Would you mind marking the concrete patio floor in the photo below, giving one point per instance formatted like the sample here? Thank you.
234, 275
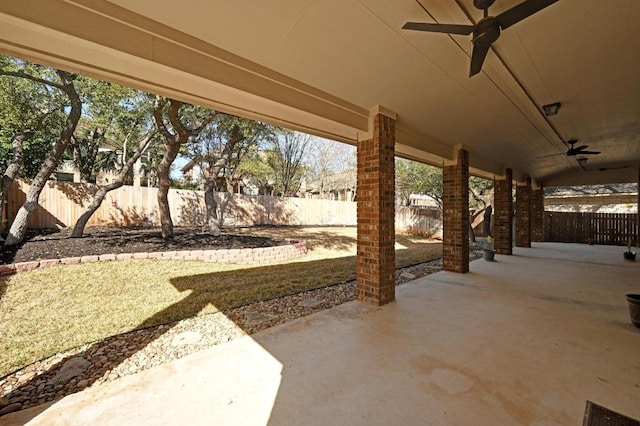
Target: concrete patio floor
524, 340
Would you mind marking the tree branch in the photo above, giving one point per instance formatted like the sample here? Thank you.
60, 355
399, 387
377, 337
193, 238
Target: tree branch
157, 116
174, 110
27, 76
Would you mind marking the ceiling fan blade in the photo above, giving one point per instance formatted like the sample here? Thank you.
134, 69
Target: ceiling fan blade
581, 147
477, 57
550, 155
589, 152
522, 11
439, 28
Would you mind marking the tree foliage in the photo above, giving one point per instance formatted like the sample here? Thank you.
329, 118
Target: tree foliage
29, 105
418, 178
221, 149
55, 80
325, 158
285, 158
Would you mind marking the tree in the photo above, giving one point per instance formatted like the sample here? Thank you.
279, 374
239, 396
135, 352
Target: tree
257, 171
325, 158
286, 160
56, 81
418, 178
29, 113
220, 150
13, 168
115, 183
177, 122
110, 112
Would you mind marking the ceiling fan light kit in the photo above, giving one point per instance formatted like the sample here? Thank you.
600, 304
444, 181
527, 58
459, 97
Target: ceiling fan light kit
551, 109
487, 30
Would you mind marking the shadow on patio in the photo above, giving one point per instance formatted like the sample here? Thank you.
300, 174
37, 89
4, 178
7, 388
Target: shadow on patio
525, 340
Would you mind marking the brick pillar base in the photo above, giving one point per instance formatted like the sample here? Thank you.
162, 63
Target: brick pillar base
503, 214
537, 214
523, 214
375, 260
455, 217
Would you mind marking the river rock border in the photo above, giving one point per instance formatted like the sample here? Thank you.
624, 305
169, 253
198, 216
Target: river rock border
248, 256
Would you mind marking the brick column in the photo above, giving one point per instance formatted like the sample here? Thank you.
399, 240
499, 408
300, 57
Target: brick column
503, 214
537, 214
523, 214
455, 217
375, 260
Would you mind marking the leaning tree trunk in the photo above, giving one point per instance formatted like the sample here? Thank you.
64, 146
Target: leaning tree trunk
78, 229
14, 166
486, 224
213, 222
19, 225
472, 234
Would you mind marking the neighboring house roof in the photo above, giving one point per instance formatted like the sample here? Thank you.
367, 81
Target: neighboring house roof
334, 182
190, 165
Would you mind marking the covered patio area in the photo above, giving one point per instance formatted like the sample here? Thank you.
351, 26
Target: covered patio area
528, 339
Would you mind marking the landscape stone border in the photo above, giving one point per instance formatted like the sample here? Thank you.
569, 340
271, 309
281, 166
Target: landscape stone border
248, 256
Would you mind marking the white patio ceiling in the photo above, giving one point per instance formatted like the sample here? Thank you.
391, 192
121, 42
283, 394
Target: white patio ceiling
322, 65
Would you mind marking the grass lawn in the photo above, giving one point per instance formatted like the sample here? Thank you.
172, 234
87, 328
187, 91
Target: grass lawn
51, 310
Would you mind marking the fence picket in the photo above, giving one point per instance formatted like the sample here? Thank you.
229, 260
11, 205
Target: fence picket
602, 228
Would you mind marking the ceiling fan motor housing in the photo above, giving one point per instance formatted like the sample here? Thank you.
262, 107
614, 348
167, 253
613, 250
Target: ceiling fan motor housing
483, 4
487, 31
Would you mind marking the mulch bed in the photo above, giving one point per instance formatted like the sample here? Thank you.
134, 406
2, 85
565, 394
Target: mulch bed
56, 244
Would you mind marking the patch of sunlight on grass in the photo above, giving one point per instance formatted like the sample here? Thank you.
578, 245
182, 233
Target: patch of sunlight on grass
43, 312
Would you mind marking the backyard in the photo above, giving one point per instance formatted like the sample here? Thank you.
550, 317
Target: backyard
90, 311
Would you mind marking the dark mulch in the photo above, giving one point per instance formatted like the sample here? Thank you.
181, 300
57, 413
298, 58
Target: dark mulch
54, 244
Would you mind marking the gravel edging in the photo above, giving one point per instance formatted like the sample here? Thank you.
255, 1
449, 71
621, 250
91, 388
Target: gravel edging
122, 355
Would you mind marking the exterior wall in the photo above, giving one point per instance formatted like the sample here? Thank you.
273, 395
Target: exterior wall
375, 264
537, 214
523, 214
503, 214
455, 200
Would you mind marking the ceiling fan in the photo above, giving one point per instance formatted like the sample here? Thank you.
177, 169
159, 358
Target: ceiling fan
573, 151
487, 30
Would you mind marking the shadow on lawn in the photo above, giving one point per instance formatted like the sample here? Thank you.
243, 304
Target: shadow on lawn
220, 289
314, 239
82, 369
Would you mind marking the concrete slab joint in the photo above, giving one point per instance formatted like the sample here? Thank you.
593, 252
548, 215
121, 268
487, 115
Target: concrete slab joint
375, 264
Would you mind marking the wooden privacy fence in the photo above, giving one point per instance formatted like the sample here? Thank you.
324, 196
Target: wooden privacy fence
602, 228
420, 221
61, 203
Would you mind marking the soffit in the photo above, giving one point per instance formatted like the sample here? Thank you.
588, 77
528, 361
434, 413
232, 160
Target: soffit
578, 52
